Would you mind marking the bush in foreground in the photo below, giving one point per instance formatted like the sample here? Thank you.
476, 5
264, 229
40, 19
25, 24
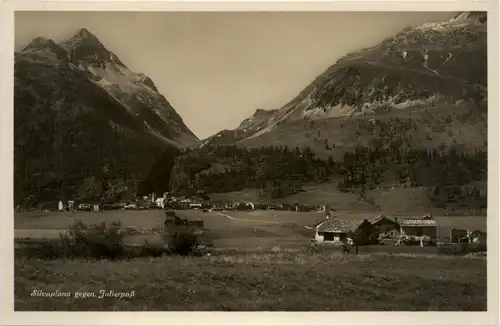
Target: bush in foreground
462, 249
94, 241
106, 241
182, 241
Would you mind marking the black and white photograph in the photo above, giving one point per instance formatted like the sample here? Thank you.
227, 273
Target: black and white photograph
294, 161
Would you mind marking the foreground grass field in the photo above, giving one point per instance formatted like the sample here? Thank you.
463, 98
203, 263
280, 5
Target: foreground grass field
279, 279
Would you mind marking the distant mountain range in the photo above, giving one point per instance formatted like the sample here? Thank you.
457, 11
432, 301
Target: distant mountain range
424, 88
434, 65
85, 125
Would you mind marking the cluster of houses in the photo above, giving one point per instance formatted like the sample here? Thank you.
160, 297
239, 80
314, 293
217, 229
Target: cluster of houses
422, 230
145, 202
183, 203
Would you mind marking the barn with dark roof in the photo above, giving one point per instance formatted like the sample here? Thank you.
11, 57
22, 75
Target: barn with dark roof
335, 229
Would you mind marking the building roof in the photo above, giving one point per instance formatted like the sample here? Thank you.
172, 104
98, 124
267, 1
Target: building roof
336, 224
381, 218
418, 221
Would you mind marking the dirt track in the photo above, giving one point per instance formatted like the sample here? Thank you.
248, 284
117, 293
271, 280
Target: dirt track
246, 220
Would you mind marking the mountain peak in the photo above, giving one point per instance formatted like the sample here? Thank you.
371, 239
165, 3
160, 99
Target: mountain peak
45, 44
85, 36
85, 46
38, 43
84, 33
471, 15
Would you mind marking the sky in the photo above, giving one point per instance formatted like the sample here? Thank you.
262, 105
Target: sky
217, 68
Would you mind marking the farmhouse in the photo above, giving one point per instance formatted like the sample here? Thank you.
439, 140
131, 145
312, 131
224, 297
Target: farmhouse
302, 208
173, 222
261, 206
131, 206
335, 229
478, 236
465, 236
244, 206
195, 205
321, 208
419, 226
457, 235
366, 234
230, 206
386, 227
88, 206
84, 207
160, 202
108, 207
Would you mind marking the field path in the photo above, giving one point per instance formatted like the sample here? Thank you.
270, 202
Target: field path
245, 220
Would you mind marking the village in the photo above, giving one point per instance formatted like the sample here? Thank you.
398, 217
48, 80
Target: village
332, 229
180, 203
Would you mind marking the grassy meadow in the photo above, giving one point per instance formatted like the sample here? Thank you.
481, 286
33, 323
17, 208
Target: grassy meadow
261, 261
260, 280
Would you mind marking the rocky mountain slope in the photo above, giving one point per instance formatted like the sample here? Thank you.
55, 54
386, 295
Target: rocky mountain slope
422, 89
441, 67
85, 125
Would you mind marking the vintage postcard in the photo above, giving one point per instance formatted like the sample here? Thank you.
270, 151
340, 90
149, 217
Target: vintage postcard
294, 163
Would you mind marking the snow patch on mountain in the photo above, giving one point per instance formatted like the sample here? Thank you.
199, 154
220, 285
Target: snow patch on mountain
461, 20
117, 75
273, 123
338, 110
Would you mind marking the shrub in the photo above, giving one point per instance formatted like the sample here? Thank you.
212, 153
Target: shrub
276, 249
182, 241
462, 249
40, 249
149, 250
94, 241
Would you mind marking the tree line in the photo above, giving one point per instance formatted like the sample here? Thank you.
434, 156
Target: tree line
278, 171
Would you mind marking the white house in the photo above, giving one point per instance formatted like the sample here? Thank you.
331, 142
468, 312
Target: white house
230, 206
60, 206
130, 206
160, 202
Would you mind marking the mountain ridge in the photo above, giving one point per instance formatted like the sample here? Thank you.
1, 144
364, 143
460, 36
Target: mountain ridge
120, 121
360, 82
423, 89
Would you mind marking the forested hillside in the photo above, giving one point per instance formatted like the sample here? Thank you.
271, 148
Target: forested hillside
449, 175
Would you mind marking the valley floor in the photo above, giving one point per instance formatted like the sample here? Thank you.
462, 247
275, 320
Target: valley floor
244, 230
276, 280
261, 261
